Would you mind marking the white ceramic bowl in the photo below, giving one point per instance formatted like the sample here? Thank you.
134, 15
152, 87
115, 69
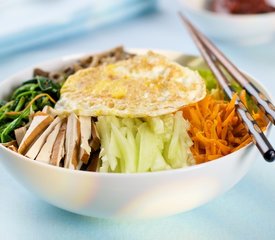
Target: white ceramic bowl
109, 195
241, 29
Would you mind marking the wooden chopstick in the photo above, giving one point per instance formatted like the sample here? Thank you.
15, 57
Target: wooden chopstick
258, 137
258, 97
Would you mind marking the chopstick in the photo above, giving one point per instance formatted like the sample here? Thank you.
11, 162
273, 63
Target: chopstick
261, 100
258, 137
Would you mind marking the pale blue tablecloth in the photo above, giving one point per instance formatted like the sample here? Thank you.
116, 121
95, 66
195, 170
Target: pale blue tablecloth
245, 212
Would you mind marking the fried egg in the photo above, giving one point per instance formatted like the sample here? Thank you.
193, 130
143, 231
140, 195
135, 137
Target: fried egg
143, 86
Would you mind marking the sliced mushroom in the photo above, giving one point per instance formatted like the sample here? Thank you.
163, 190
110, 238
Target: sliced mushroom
37, 145
49, 110
39, 123
58, 151
10, 144
85, 133
13, 148
40, 72
93, 166
95, 142
19, 134
93, 163
72, 142
46, 151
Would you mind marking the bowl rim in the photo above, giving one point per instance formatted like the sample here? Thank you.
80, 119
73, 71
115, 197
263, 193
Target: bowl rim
72, 57
188, 4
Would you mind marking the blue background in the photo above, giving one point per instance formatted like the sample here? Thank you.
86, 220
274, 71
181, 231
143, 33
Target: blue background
245, 212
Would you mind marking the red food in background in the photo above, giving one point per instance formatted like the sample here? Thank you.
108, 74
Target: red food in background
241, 6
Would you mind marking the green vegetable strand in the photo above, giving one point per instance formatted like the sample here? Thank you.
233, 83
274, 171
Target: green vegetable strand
20, 104
11, 116
13, 125
22, 89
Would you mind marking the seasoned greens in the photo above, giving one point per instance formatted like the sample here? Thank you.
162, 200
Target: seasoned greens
31, 96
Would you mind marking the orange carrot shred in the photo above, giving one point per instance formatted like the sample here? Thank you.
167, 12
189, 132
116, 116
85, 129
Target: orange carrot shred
216, 129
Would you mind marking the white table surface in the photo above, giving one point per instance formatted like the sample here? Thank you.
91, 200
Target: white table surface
245, 212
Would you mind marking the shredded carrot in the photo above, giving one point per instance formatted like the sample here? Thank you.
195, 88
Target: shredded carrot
231, 105
216, 129
248, 140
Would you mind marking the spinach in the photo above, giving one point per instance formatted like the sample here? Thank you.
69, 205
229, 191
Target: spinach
15, 113
5, 134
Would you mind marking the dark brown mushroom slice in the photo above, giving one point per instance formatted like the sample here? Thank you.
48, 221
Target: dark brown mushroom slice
93, 163
19, 134
58, 151
86, 134
46, 151
13, 148
49, 110
95, 141
72, 142
40, 72
10, 143
40, 141
39, 123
